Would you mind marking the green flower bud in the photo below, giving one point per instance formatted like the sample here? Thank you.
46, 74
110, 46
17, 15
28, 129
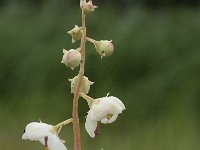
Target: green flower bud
88, 7
76, 33
71, 58
104, 47
85, 86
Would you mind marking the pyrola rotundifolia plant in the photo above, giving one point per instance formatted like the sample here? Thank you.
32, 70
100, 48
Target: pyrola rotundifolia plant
101, 110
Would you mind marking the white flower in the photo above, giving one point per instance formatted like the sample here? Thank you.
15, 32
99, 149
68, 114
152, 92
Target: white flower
104, 109
37, 131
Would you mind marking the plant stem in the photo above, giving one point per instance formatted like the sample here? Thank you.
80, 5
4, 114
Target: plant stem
76, 127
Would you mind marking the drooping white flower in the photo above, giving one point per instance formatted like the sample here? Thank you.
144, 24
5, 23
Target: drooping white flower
104, 109
38, 131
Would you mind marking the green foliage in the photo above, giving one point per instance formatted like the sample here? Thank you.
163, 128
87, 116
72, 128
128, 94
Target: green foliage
154, 70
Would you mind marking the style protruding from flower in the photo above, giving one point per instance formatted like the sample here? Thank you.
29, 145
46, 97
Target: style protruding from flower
88, 7
45, 134
85, 85
71, 58
76, 33
105, 109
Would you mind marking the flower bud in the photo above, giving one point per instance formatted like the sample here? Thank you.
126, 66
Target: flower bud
76, 33
104, 47
85, 86
88, 7
71, 58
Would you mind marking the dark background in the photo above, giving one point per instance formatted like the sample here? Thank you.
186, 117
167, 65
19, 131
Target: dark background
155, 71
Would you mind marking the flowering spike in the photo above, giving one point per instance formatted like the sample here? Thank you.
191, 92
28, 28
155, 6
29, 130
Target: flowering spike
104, 110
76, 33
71, 58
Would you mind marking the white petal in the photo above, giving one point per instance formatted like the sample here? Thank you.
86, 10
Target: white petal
111, 120
35, 131
118, 101
115, 106
54, 143
90, 126
104, 120
105, 106
99, 110
24, 136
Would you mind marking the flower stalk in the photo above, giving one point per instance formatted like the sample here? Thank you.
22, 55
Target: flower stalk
90, 40
76, 126
57, 128
89, 99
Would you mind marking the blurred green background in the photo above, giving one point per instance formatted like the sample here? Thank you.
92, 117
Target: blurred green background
155, 71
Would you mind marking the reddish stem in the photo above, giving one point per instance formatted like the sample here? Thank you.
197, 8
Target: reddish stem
76, 126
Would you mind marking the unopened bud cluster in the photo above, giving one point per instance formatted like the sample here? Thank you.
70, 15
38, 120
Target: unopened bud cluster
72, 57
